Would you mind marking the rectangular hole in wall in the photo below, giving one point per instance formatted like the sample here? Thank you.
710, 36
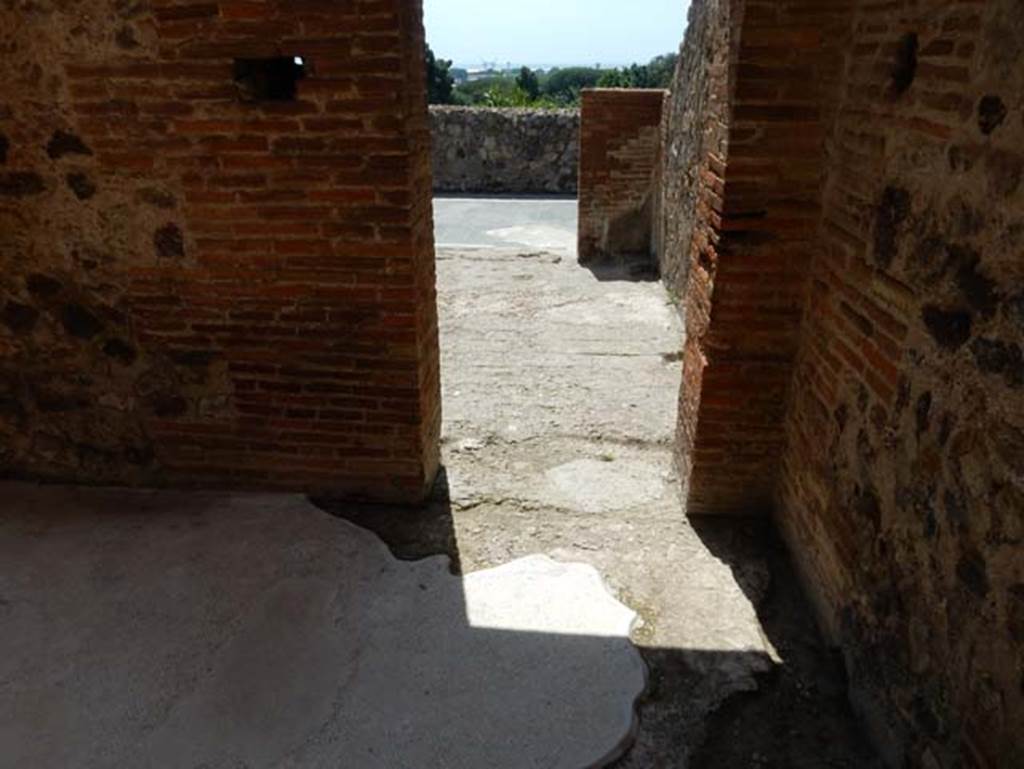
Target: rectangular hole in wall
273, 79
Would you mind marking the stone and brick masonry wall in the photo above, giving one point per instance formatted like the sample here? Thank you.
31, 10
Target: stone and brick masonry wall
854, 354
200, 289
902, 489
620, 160
505, 151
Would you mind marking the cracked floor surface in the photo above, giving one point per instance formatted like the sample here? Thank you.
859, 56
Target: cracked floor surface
559, 391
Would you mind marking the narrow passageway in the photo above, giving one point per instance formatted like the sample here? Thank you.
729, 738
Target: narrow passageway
560, 388
547, 364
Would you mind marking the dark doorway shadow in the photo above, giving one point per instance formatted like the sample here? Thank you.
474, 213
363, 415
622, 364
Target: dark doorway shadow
800, 717
456, 195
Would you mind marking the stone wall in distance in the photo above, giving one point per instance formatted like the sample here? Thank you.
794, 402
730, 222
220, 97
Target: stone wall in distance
505, 151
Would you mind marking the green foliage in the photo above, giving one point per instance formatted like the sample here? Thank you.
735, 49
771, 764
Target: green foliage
614, 78
663, 70
563, 86
499, 91
440, 83
540, 90
504, 96
473, 94
657, 73
528, 83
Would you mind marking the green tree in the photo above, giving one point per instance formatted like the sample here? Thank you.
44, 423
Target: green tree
662, 70
475, 93
529, 83
440, 82
564, 85
507, 96
614, 78
657, 73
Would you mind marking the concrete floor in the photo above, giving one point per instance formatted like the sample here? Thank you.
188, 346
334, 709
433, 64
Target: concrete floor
163, 629
560, 388
544, 223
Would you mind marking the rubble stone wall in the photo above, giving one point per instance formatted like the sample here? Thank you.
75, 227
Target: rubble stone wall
505, 151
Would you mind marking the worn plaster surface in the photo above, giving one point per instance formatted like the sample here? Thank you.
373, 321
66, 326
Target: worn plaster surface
162, 629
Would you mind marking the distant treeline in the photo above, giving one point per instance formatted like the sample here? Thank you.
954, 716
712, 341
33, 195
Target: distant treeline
551, 89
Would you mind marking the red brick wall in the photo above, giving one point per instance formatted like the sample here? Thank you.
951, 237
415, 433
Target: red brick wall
200, 290
745, 284
620, 156
902, 493
696, 124
690, 215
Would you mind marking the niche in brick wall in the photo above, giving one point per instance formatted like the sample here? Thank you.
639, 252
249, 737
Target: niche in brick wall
273, 79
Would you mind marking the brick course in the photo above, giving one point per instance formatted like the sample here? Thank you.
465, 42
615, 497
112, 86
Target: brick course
690, 218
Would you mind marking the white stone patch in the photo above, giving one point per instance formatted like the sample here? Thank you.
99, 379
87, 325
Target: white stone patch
595, 485
539, 595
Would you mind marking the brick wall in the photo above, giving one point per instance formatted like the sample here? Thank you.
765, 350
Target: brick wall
199, 289
745, 292
689, 219
696, 132
902, 490
852, 282
620, 158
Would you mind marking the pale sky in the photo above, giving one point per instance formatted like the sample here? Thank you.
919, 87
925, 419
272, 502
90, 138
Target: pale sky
554, 32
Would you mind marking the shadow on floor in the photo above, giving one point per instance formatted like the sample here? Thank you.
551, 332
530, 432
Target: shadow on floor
173, 629
410, 533
178, 629
799, 717
632, 271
